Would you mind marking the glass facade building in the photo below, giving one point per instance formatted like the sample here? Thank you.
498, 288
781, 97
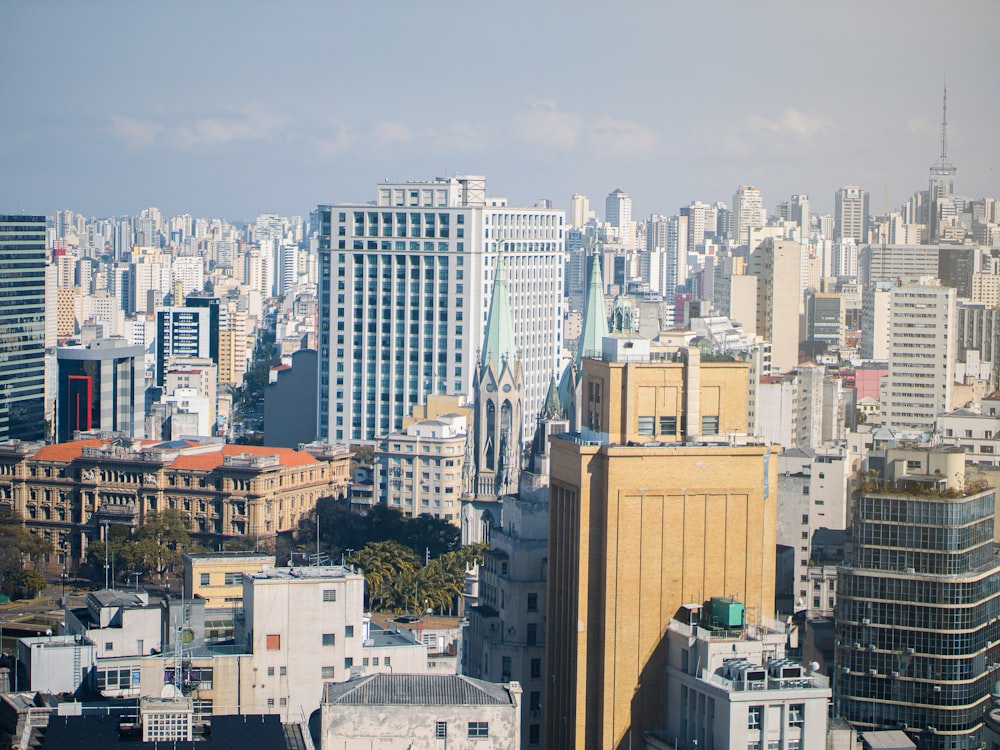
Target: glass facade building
918, 614
22, 327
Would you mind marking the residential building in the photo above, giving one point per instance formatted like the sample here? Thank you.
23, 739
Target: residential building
729, 686
22, 327
405, 289
422, 468
100, 386
777, 264
748, 214
421, 711
922, 349
917, 646
618, 214
850, 218
579, 211
875, 307
654, 474
975, 429
117, 623
800, 409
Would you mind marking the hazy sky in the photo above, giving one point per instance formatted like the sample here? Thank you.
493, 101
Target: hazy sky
231, 108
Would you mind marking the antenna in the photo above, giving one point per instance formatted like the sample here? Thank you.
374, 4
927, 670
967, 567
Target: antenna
944, 123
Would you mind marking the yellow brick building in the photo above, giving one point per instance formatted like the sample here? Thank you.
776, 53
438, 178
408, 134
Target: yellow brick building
656, 502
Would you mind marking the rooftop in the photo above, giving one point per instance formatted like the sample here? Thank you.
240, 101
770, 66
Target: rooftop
417, 690
314, 572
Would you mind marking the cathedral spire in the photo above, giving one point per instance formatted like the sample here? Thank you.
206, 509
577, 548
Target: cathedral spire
498, 341
595, 314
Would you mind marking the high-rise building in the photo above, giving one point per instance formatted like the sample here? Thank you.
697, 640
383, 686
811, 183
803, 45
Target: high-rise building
922, 347
579, 211
748, 213
916, 639
777, 264
618, 213
22, 327
851, 214
100, 387
647, 514
405, 287
182, 332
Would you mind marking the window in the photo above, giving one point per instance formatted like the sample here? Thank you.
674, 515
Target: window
326, 673
273, 642
282, 671
535, 700
270, 671
709, 425
532, 602
349, 631
646, 425
234, 579
440, 730
387, 662
109, 646
668, 425
536, 669
283, 701
348, 662
204, 579
534, 734
329, 595
753, 717
795, 714
328, 639
479, 729
270, 702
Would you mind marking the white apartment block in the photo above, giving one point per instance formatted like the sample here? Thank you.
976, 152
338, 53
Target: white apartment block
404, 290
734, 689
419, 470
922, 348
777, 264
975, 431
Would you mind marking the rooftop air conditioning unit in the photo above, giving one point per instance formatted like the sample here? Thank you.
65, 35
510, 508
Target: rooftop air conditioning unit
866, 621
873, 672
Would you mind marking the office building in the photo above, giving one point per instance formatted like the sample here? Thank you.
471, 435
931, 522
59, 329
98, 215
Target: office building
22, 327
917, 646
579, 211
101, 387
650, 507
922, 348
405, 288
850, 218
182, 332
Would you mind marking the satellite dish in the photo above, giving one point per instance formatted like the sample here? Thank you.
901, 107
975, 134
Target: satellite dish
187, 635
169, 691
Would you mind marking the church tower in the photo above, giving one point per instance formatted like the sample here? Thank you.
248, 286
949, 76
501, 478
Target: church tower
499, 398
595, 328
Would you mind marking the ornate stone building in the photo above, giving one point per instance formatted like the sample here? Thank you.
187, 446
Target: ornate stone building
66, 492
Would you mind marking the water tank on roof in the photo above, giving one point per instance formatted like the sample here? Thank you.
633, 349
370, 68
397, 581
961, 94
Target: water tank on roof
726, 612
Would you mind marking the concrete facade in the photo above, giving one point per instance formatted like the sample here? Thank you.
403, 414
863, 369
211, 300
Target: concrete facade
639, 527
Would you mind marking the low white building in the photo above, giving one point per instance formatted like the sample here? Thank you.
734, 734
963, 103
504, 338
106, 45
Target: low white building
974, 429
732, 687
118, 623
421, 712
56, 664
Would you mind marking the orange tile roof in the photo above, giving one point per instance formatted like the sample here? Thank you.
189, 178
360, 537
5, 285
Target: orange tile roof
72, 450
212, 459
65, 451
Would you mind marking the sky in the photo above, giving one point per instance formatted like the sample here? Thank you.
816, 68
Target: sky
231, 108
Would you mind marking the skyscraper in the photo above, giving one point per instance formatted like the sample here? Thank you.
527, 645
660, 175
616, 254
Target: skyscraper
777, 264
922, 346
404, 290
748, 213
579, 210
851, 214
618, 213
22, 327
645, 515
917, 645
183, 332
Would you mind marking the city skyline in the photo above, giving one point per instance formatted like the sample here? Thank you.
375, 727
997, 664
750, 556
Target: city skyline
305, 113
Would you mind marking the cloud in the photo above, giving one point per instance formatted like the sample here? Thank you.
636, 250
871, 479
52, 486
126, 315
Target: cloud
388, 133
251, 124
136, 133
921, 127
339, 140
622, 137
790, 126
544, 125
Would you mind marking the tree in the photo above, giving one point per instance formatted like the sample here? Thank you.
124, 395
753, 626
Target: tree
383, 565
